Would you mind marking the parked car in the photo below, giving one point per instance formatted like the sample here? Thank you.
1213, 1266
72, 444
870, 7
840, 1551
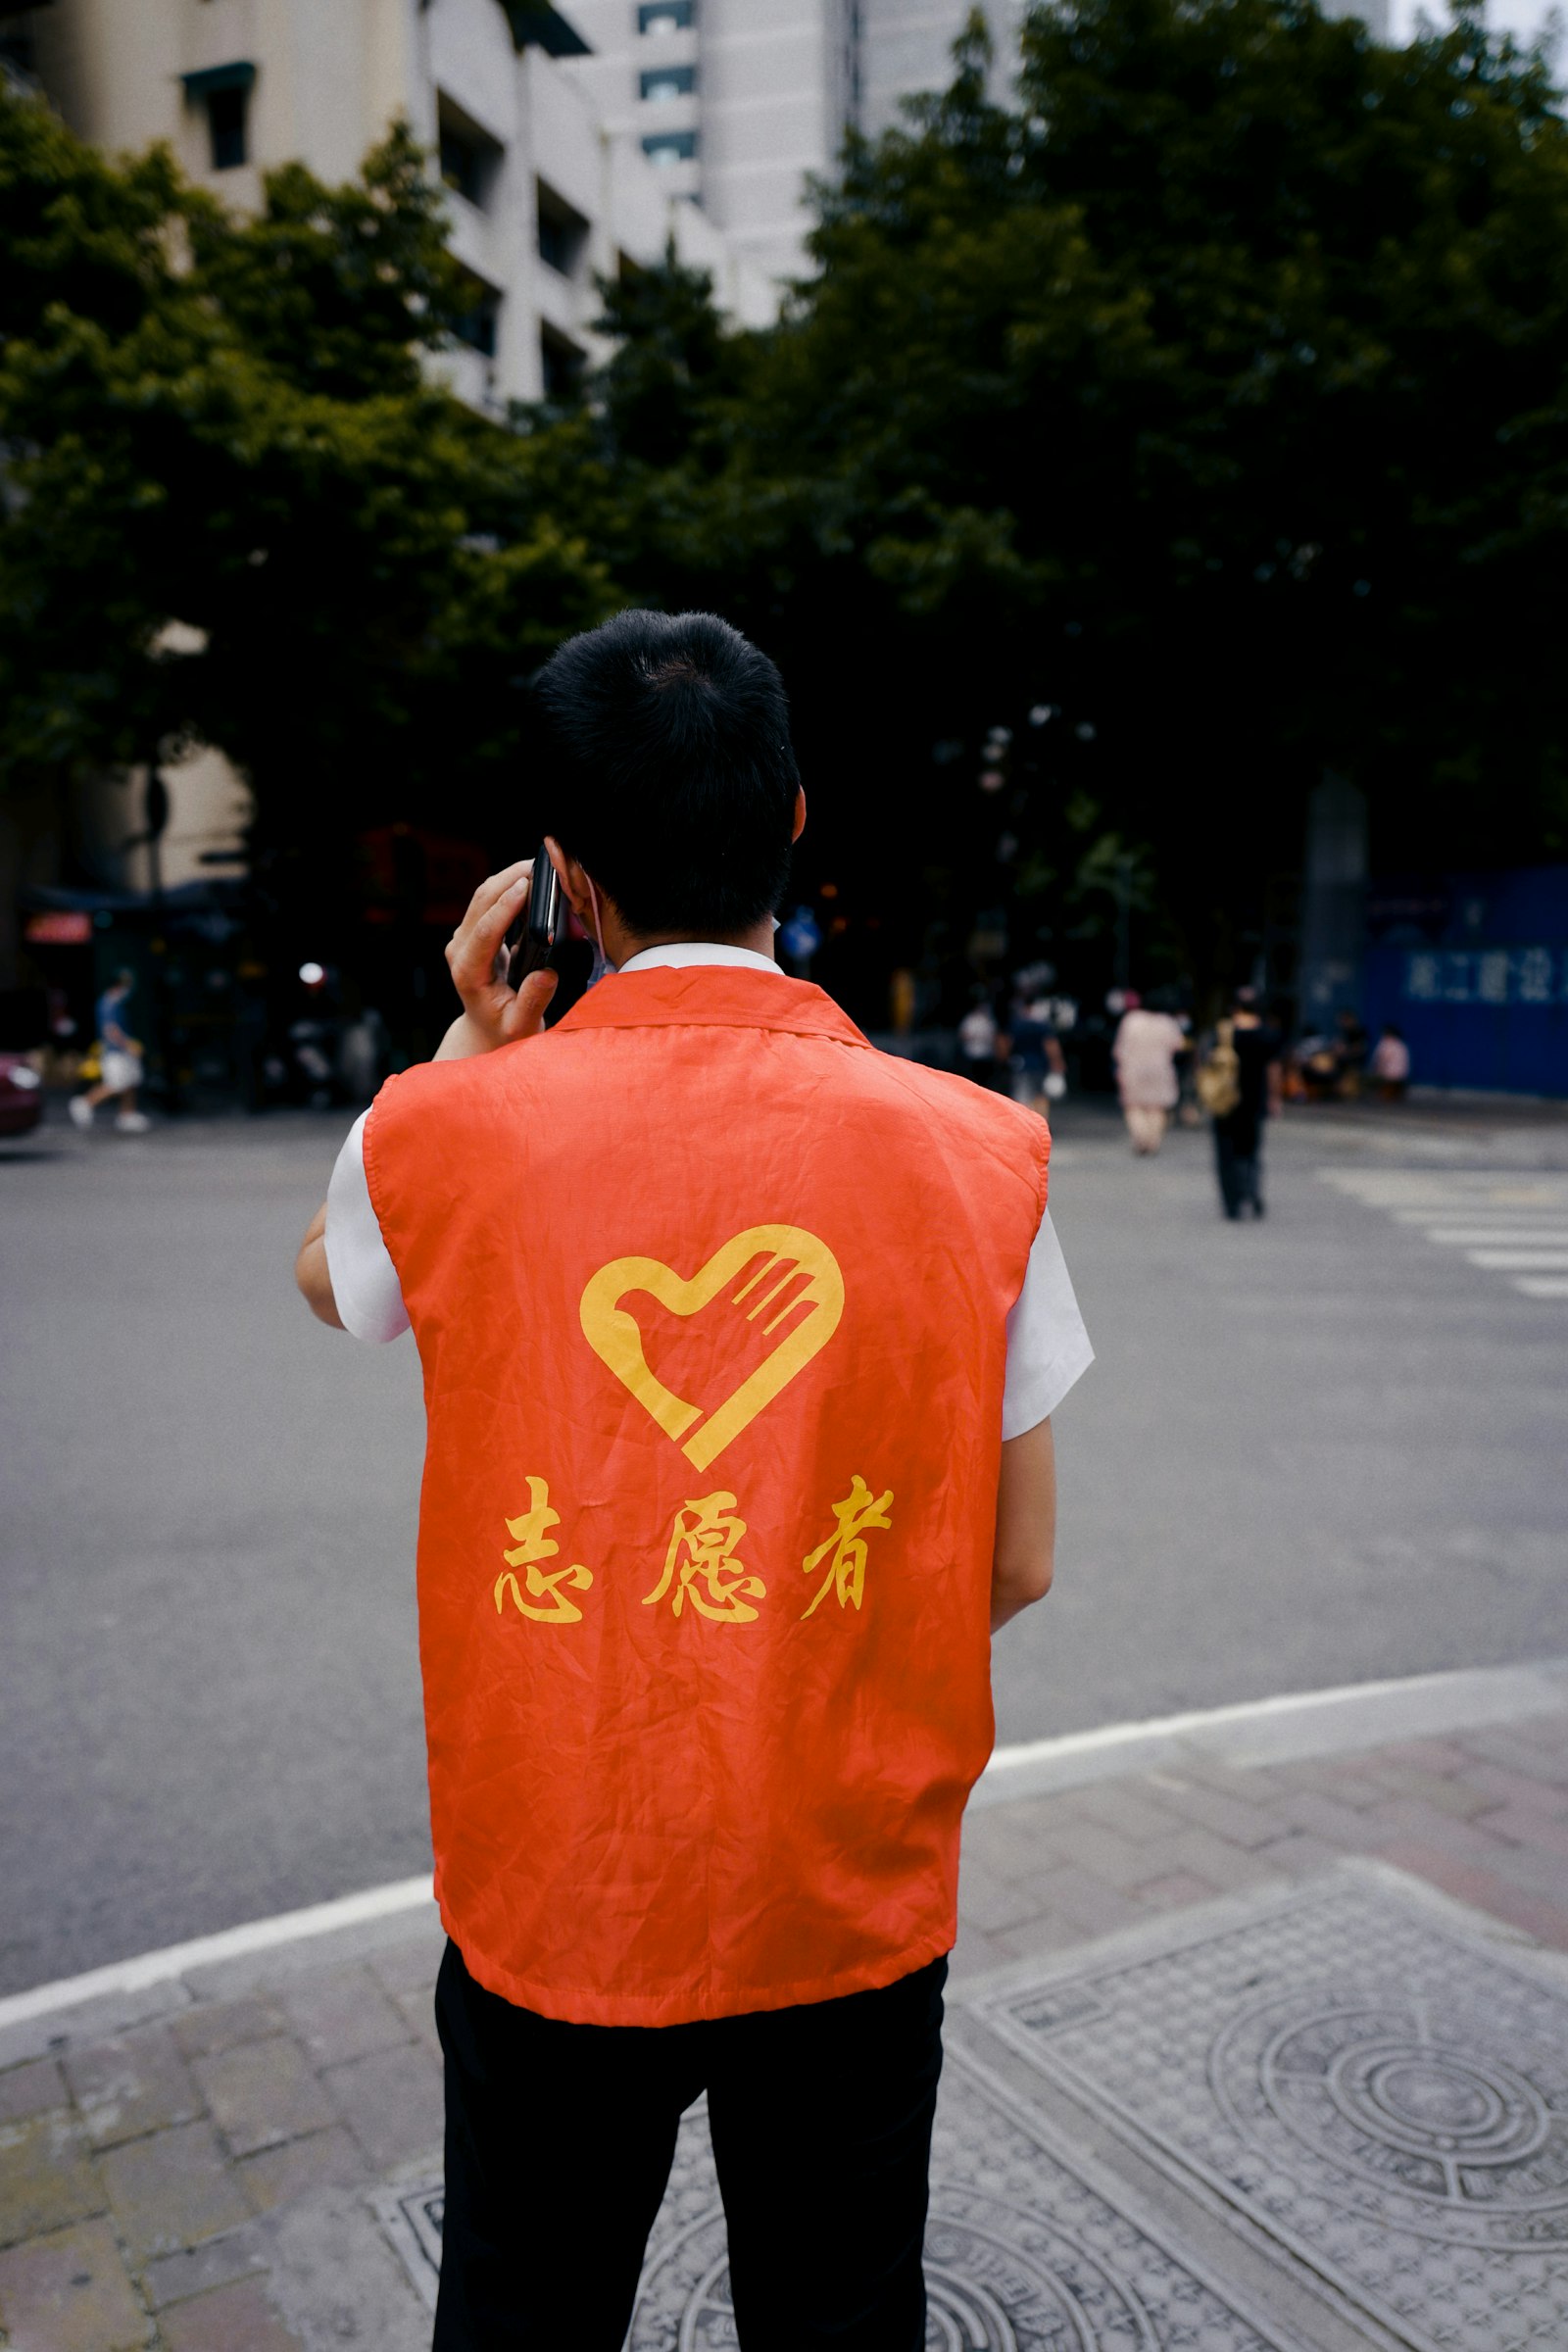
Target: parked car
21, 1095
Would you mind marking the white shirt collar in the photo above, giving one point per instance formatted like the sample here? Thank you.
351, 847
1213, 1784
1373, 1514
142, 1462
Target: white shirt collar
678, 954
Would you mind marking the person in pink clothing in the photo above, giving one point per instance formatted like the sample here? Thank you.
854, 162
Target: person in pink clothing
1146, 1049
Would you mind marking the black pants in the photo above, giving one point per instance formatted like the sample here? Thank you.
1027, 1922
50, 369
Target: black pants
1239, 1163
559, 2139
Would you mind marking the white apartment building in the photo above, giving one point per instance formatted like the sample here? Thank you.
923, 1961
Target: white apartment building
542, 196
738, 101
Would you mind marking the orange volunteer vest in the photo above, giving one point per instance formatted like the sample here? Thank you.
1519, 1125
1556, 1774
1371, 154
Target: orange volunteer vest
711, 1300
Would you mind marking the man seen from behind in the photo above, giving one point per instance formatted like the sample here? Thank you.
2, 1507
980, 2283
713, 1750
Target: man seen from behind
739, 1343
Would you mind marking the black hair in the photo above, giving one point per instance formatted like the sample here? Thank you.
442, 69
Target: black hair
671, 775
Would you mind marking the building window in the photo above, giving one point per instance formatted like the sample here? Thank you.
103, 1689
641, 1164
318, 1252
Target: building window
227, 111
562, 363
670, 146
223, 92
666, 16
669, 81
471, 159
562, 231
479, 325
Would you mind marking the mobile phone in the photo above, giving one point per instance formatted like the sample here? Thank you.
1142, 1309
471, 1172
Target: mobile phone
531, 940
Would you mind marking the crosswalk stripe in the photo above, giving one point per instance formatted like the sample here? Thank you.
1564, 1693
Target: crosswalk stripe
1478, 1236
1512, 1223
1520, 1261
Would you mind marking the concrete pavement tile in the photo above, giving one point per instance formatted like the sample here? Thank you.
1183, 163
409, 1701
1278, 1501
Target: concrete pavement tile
1549, 1733
391, 2102
176, 2278
1206, 1856
1470, 1842
1175, 1890
1233, 1818
68, 2292
263, 2092
1011, 1846
1134, 1812
173, 2189
337, 2280
973, 1953
1547, 1921
1494, 1786
411, 1966
215, 2026
1537, 1762
986, 1900
32, 2089
134, 2083
278, 2176
1524, 1825
236, 2319
1355, 1781
1298, 1855
1441, 1756
1248, 1784
1035, 1938
1083, 1901
1107, 1854
341, 2014
1336, 1824
1449, 1794
418, 2011
46, 2177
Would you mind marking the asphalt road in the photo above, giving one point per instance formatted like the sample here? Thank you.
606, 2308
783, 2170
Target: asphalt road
1313, 1452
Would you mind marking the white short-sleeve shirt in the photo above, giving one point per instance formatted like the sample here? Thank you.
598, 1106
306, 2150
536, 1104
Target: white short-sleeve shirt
1048, 1346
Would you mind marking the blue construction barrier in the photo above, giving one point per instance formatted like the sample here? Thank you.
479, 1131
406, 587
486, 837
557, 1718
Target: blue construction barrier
1473, 968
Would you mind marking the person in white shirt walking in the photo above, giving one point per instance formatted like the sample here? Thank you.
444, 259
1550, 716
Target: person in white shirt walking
1146, 1049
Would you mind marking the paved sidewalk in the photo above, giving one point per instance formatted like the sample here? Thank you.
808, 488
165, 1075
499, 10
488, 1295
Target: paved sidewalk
192, 2168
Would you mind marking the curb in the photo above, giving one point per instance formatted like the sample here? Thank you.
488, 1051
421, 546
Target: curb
1292, 1728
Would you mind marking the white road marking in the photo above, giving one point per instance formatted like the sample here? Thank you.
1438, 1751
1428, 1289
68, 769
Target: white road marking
1294, 1725
1548, 1288
1502, 1224
230, 1943
1479, 1236
1276, 1730
1520, 1261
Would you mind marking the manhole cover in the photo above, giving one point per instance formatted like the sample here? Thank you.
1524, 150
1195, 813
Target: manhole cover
1379, 2091
997, 2279
1023, 2253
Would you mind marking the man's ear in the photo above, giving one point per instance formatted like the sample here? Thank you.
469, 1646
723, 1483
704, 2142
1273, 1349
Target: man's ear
799, 813
572, 878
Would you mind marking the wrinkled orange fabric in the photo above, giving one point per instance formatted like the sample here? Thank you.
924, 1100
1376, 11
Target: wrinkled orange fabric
711, 1300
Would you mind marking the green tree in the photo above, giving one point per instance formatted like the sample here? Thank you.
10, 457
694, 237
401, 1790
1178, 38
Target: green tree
231, 424
1210, 396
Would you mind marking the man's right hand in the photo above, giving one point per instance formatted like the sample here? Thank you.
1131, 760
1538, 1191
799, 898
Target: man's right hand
493, 1014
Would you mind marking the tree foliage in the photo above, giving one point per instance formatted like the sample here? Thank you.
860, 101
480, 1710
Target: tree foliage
1210, 392
1204, 395
233, 424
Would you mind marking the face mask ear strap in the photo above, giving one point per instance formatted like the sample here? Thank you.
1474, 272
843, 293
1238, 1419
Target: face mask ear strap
602, 963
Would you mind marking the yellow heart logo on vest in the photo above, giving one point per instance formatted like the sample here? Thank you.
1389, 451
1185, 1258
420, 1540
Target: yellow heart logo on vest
797, 1271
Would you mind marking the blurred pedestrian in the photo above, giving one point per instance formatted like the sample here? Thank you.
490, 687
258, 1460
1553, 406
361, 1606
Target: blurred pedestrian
1352, 1045
1039, 1065
1145, 1054
980, 1039
1391, 1064
1240, 1084
120, 1063
697, 1756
